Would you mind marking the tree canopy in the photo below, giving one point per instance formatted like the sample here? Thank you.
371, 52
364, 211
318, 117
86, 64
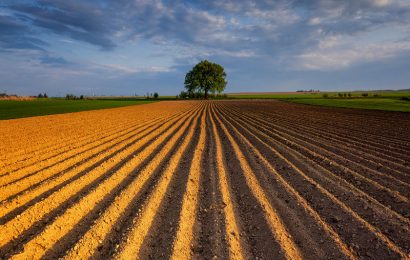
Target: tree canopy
205, 77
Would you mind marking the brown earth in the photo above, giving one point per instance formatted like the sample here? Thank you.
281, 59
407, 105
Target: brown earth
212, 179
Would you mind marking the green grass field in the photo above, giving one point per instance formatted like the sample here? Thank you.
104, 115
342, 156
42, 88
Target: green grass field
10, 109
387, 104
378, 100
384, 100
354, 94
274, 96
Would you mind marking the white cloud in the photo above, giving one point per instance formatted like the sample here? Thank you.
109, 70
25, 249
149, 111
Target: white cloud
314, 21
333, 56
117, 68
382, 2
280, 16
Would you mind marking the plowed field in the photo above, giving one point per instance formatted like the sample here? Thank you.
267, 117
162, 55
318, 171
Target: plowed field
238, 179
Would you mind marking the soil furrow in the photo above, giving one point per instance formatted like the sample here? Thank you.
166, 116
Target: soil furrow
46, 239
377, 157
63, 130
338, 118
32, 157
90, 241
45, 188
256, 238
372, 168
386, 196
229, 179
277, 227
67, 140
219, 230
149, 210
75, 150
375, 216
158, 244
29, 177
34, 213
299, 200
340, 129
288, 152
373, 151
182, 248
75, 164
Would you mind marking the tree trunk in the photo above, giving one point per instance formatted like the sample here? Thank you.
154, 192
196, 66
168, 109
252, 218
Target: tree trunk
206, 94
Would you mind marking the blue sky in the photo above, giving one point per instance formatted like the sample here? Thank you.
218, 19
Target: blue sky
132, 47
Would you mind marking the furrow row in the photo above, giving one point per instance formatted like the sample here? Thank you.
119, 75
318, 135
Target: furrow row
88, 133
209, 179
385, 195
376, 215
14, 205
103, 176
341, 129
66, 147
369, 153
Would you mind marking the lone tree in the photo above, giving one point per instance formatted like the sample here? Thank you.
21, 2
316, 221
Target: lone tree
205, 77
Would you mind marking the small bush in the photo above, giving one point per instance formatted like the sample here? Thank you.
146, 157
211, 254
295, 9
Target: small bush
71, 97
340, 94
81, 97
218, 96
376, 95
405, 98
183, 94
156, 95
365, 94
325, 95
349, 94
344, 95
45, 95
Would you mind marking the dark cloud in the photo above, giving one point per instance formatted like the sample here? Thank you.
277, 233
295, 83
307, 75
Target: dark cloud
79, 21
269, 26
353, 16
15, 35
83, 22
53, 60
253, 39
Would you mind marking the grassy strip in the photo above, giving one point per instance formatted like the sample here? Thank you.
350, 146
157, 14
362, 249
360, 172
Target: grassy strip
387, 104
378, 100
274, 96
10, 109
354, 94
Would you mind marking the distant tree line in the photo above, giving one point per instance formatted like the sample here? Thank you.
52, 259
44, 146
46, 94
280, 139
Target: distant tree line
308, 91
154, 95
348, 95
73, 97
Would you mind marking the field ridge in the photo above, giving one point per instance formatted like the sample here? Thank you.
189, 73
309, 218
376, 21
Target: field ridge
202, 179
